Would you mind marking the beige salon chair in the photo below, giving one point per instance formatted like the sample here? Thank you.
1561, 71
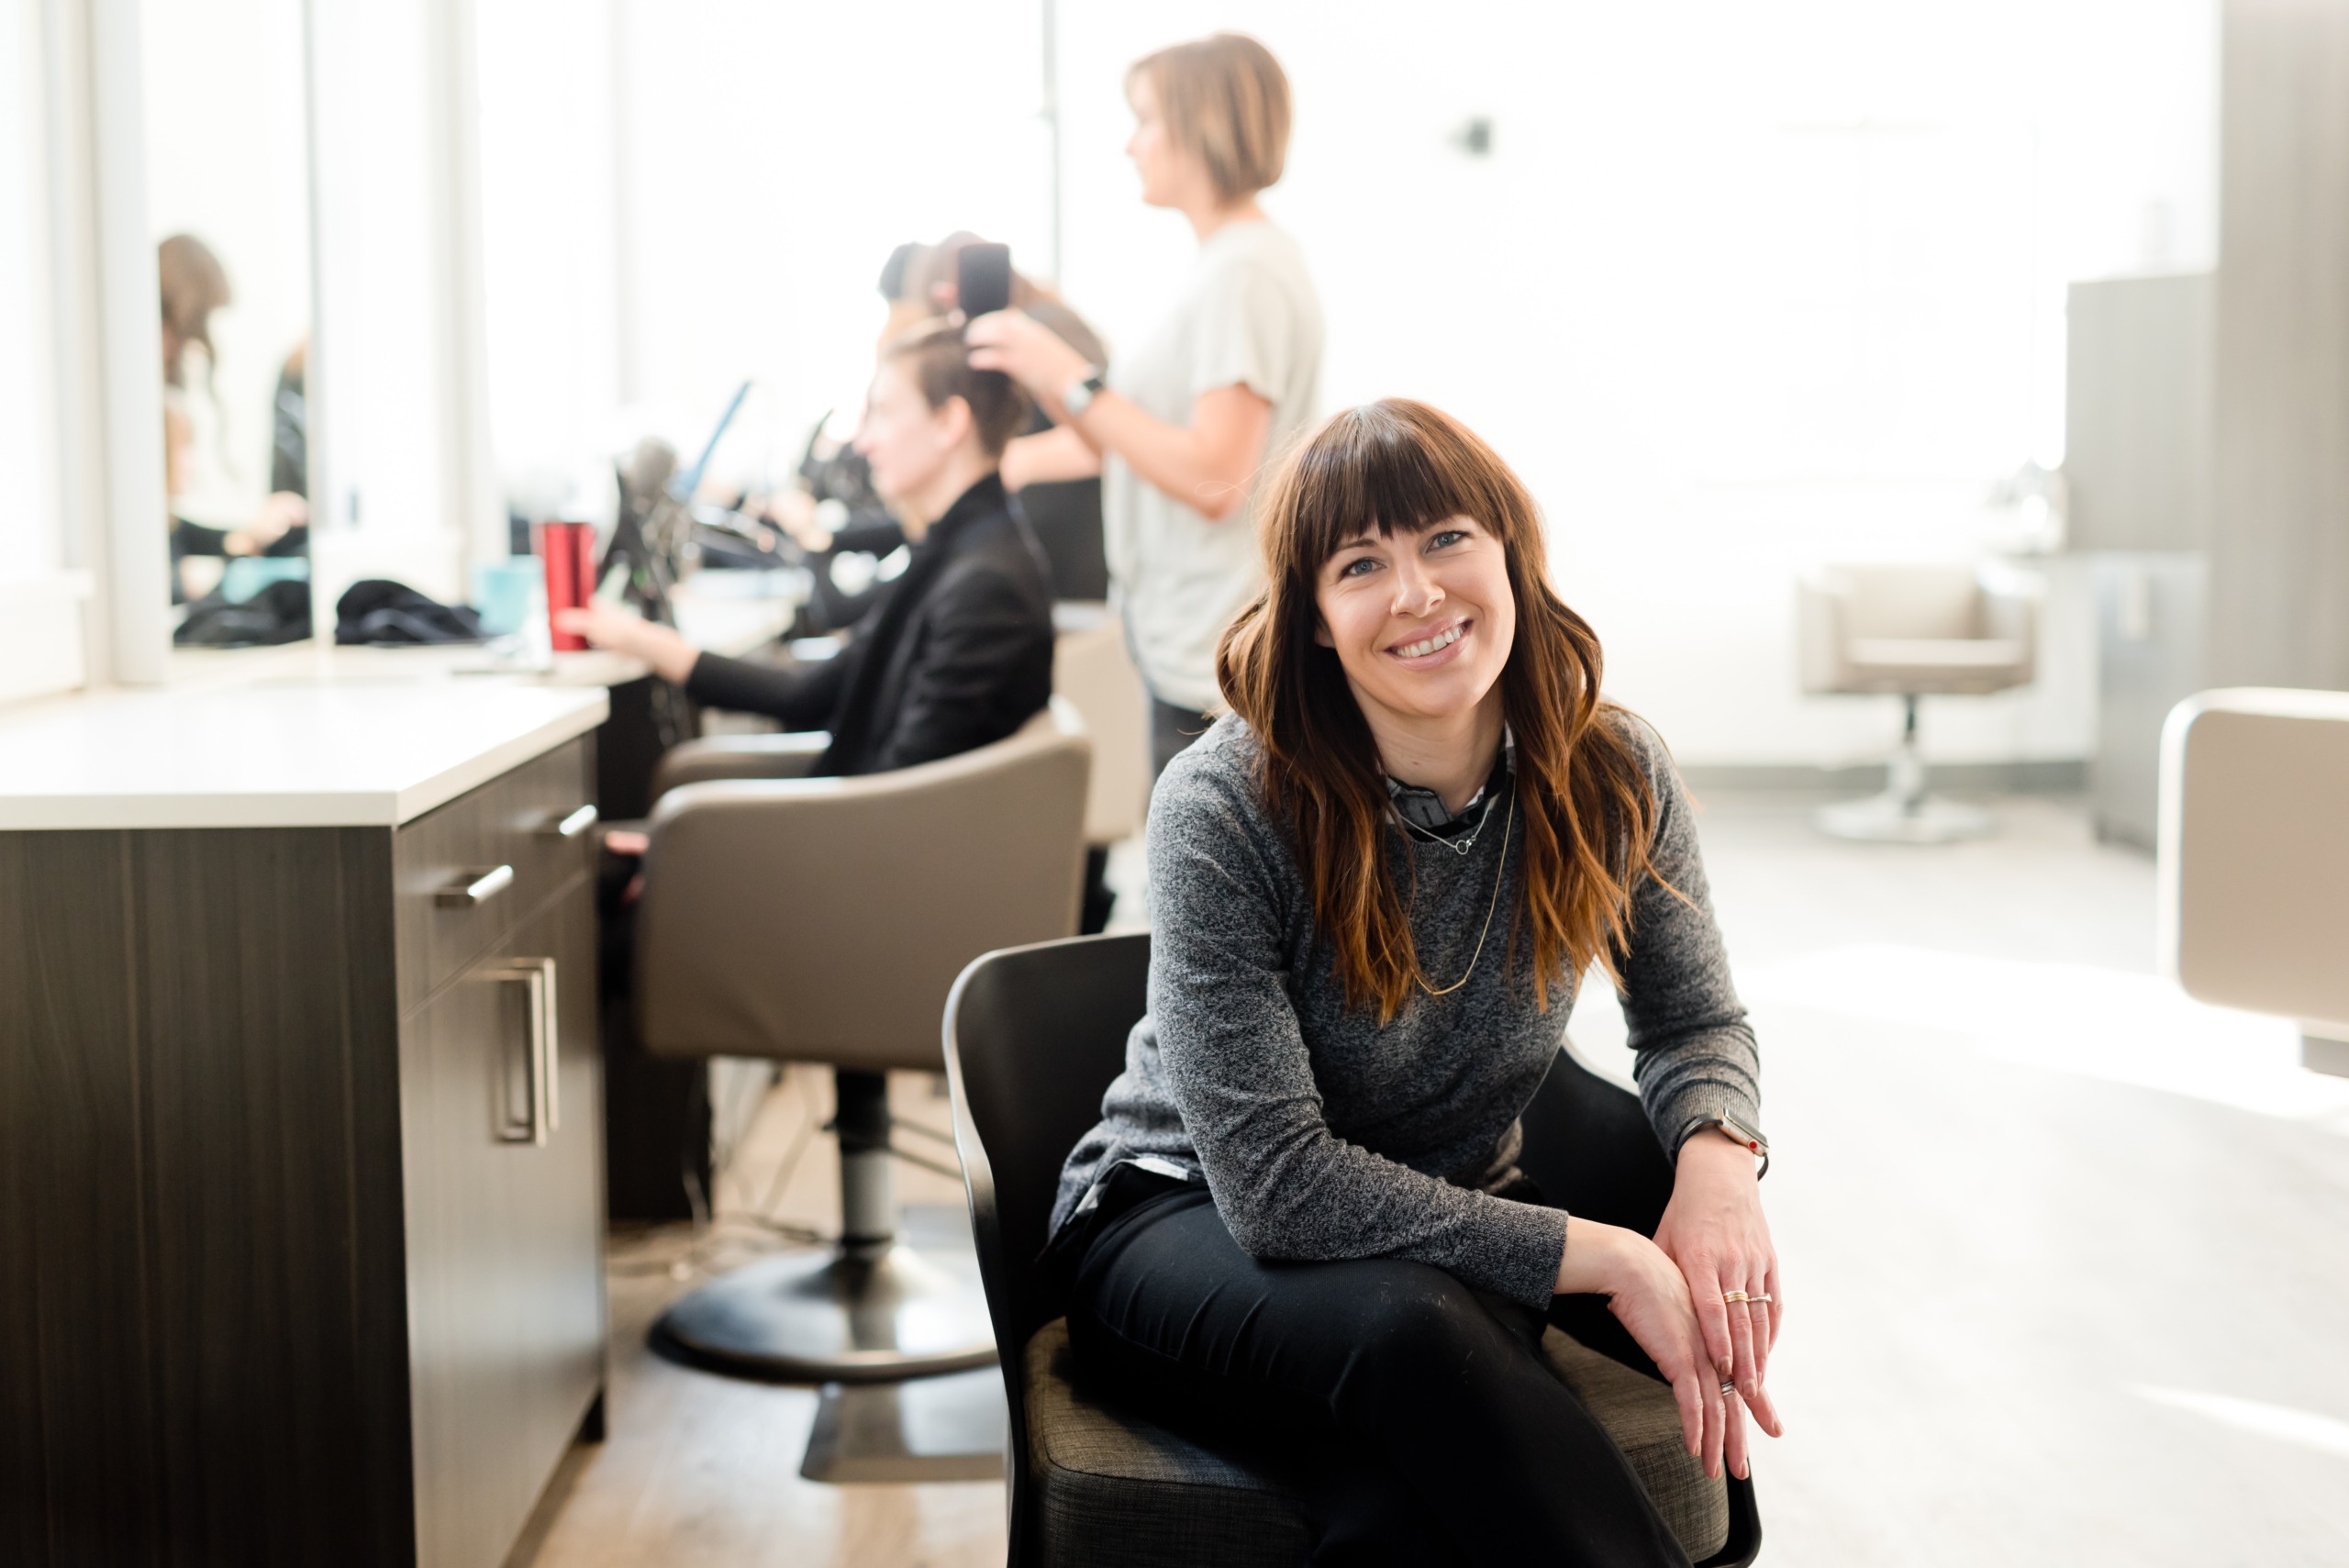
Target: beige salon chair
824, 919
1092, 670
1911, 633
2255, 859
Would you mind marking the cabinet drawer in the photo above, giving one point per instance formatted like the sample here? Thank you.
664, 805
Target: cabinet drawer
512, 822
501, 1134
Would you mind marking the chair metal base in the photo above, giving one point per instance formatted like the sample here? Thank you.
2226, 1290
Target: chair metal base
1894, 817
1903, 813
927, 1428
836, 1318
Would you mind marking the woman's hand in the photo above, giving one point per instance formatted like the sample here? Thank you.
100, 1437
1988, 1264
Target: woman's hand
623, 631
1649, 1297
1028, 352
1714, 1231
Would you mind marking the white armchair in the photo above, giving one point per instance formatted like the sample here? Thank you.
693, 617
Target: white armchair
2254, 858
1909, 632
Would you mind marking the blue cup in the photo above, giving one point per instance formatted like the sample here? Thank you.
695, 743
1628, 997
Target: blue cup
502, 591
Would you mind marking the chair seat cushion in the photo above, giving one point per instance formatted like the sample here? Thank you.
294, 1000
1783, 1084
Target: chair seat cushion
1115, 1487
1959, 665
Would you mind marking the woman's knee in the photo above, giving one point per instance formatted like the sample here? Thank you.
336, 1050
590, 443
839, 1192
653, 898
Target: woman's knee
1419, 1315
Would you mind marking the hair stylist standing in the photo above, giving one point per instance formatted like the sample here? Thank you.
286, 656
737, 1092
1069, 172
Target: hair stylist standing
1178, 429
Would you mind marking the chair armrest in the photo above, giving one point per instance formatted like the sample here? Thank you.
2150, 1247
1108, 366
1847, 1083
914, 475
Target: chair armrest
790, 755
824, 919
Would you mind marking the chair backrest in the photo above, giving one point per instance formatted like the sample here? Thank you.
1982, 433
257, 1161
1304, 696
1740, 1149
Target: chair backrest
1033, 1037
1092, 670
1910, 601
824, 919
2254, 856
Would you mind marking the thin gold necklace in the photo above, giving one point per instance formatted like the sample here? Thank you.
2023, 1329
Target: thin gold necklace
1501, 872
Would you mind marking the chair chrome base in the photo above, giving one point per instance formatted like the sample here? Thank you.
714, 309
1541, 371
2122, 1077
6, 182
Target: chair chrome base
1903, 813
1893, 817
835, 1317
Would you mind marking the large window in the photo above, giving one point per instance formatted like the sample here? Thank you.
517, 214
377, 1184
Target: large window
712, 190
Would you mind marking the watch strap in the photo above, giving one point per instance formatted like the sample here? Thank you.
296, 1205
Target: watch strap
1083, 391
1737, 1132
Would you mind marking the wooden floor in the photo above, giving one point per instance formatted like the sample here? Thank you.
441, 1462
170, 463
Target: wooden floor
2063, 1252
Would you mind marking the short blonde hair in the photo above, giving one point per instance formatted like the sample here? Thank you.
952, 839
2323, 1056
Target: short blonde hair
1224, 98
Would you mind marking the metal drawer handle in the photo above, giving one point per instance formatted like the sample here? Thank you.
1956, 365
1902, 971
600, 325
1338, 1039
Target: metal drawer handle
545, 1117
571, 826
480, 890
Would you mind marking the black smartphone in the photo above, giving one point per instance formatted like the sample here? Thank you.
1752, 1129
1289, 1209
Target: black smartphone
981, 279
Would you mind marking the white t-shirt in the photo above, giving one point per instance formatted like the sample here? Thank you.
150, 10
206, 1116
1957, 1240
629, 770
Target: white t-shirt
1248, 316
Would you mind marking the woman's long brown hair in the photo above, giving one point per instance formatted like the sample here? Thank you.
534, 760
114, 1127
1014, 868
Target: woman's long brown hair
1582, 799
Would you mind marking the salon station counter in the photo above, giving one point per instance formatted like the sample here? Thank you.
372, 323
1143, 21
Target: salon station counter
301, 1167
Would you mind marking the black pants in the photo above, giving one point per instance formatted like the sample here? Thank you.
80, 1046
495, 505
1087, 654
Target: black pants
1171, 729
1427, 1427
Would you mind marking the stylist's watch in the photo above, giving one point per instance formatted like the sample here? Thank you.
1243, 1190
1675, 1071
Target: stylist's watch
1082, 392
1736, 1131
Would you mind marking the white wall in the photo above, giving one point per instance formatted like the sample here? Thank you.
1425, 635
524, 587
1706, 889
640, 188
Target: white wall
1741, 287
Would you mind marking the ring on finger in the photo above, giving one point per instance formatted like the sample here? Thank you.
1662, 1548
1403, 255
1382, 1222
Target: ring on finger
1757, 1300
1728, 1389
1740, 1298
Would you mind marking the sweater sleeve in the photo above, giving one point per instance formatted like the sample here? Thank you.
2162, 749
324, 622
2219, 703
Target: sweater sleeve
1237, 1066
799, 698
1696, 1055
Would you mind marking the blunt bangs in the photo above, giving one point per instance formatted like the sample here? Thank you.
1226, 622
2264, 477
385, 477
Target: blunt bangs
1378, 468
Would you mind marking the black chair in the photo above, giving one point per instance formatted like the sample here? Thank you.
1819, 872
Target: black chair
1033, 1036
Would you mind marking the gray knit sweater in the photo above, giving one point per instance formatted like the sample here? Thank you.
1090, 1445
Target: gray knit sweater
1321, 1134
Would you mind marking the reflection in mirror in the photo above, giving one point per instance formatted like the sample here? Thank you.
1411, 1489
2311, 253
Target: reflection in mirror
227, 204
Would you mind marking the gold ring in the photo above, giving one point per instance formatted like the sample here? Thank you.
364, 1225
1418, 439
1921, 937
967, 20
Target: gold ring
1736, 1296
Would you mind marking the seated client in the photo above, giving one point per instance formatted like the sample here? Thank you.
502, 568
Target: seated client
1375, 884
958, 652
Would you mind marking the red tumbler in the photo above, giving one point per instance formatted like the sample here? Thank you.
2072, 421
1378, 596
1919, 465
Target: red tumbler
569, 551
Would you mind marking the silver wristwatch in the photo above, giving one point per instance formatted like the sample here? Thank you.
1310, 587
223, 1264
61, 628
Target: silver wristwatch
1736, 1131
1083, 391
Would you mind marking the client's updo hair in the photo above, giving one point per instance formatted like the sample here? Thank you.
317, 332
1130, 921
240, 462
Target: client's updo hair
935, 356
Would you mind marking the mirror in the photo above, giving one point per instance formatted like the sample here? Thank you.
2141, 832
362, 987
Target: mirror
229, 210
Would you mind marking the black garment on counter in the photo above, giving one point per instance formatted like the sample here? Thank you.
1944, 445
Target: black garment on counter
958, 652
279, 613
378, 610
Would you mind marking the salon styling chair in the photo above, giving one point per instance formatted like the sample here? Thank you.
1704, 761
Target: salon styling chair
2254, 859
824, 919
1911, 633
1033, 1036
1092, 671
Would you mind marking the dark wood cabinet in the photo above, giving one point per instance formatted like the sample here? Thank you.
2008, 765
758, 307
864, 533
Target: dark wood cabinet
301, 1199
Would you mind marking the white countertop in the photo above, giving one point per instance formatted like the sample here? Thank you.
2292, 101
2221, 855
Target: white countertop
274, 752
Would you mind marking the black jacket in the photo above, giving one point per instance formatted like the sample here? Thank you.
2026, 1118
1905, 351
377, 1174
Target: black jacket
958, 653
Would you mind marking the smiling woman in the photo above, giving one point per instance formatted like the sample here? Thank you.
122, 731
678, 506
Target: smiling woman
1343, 1032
